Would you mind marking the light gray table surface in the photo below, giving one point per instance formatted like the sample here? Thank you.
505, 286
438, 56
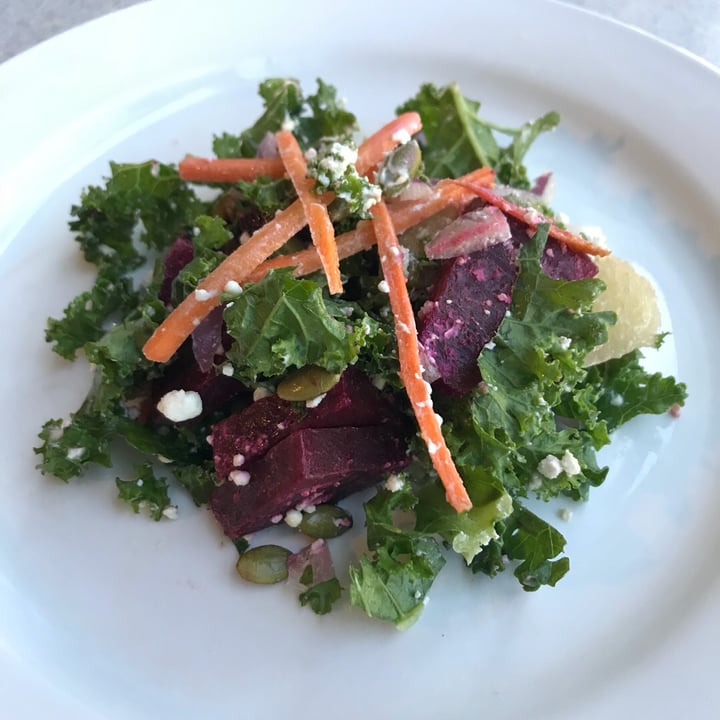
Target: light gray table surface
691, 24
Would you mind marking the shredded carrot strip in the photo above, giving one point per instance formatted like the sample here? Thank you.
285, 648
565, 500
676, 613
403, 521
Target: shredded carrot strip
417, 389
168, 337
524, 215
196, 169
178, 326
446, 194
321, 227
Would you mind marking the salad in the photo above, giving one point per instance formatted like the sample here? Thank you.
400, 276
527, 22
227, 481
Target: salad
301, 318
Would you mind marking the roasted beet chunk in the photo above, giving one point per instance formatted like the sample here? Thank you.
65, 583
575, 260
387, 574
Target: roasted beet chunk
252, 432
308, 467
466, 307
354, 400
179, 254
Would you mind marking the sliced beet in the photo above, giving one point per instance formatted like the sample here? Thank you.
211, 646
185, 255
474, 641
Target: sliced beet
207, 339
467, 305
310, 466
252, 432
562, 263
353, 400
179, 254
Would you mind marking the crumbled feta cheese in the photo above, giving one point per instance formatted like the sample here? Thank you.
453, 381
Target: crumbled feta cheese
75, 453
203, 295
616, 399
288, 124
439, 419
275, 519
570, 464
240, 477
228, 369
260, 392
401, 136
383, 286
314, 402
371, 196
233, 287
309, 509
139, 482
180, 405
379, 381
433, 447
293, 518
550, 467
535, 482
238, 460
311, 154
170, 513
564, 342
565, 514
394, 483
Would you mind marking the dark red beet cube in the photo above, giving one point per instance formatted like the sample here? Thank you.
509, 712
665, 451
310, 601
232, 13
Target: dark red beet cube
562, 263
308, 467
354, 400
252, 432
466, 306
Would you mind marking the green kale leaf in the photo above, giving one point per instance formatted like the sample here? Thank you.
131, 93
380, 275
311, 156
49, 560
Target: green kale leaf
457, 141
281, 322
313, 117
146, 492
321, 596
392, 583
84, 317
622, 389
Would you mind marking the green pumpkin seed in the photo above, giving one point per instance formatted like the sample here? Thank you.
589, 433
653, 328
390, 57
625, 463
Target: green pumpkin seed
307, 383
328, 521
263, 565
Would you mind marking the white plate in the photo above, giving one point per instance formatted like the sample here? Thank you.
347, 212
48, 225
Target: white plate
107, 615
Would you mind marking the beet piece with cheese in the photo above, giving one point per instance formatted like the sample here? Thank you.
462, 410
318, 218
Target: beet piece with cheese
563, 263
310, 466
467, 304
353, 400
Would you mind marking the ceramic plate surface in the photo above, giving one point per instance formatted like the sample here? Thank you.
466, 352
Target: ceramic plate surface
104, 614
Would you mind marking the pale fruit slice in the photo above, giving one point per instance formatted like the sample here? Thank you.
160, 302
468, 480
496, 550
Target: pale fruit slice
633, 298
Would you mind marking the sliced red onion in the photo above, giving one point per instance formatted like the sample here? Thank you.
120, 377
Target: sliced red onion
471, 232
544, 187
207, 339
317, 556
267, 147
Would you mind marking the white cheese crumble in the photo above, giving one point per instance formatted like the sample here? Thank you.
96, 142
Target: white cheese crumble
75, 453
383, 286
233, 287
228, 369
180, 405
203, 295
239, 477
394, 483
238, 460
433, 447
565, 514
314, 402
170, 513
564, 342
550, 467
293, 518
617, 400
570, 464
401, 136
288, 124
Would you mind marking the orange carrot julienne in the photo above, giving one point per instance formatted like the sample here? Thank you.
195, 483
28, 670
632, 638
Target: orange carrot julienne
178, 326
532, 218
417, 389
385, 139
446, 194
196, 169
321, 227
168, 337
